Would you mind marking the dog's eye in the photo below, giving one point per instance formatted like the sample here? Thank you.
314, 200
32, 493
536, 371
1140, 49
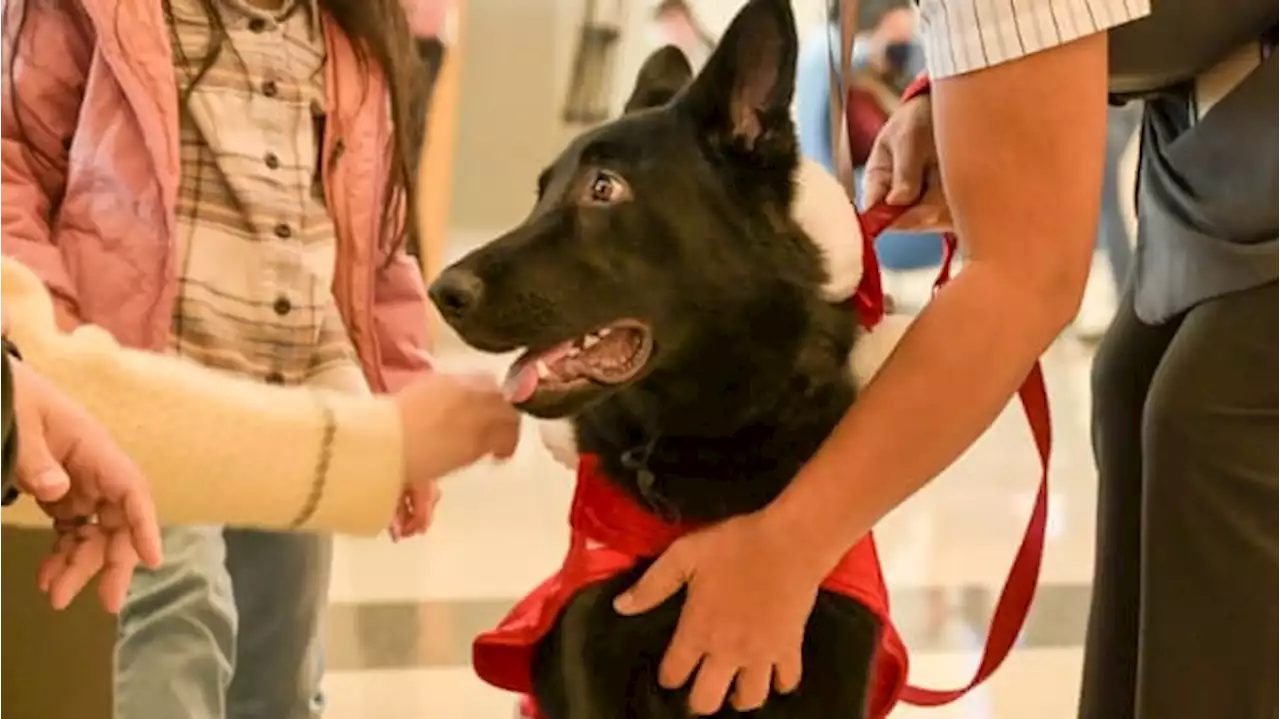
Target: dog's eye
605, 188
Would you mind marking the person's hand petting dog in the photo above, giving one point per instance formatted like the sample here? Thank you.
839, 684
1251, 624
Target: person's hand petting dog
902, 169
750, 594
97, 497
450, 421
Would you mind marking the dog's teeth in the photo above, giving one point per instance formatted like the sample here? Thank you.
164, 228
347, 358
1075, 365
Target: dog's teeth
589, 341
543, 370
604, 332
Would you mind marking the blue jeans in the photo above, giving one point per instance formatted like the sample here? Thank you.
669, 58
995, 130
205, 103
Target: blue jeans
227, 628
905, 251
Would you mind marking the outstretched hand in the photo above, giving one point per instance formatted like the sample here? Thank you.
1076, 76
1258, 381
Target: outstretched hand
750, 592
450, 421
97, 497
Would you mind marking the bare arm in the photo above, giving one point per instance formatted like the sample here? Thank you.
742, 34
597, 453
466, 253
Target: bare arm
1024, 184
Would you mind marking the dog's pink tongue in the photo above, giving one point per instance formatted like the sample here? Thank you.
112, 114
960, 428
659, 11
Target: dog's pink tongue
521, 383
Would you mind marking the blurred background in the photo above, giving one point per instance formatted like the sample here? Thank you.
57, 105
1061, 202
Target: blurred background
517, 61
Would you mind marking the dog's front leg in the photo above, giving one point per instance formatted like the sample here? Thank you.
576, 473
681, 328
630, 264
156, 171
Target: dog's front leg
598, 664
586, 683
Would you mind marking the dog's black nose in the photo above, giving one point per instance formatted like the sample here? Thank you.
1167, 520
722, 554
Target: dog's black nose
456, 292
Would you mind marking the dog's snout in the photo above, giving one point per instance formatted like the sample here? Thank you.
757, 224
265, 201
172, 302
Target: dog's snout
456, 292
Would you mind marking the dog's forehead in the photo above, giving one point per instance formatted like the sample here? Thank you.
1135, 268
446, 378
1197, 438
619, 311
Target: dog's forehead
627, 140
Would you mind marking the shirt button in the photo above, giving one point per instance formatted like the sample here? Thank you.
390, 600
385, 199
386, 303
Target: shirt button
272, 161
257, 24
282, 306
270, 89
275, 378
284, 231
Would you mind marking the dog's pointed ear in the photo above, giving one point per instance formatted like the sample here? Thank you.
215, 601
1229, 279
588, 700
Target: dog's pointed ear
744, 91
662, 76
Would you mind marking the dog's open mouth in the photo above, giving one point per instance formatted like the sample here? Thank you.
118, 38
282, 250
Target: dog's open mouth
608, 356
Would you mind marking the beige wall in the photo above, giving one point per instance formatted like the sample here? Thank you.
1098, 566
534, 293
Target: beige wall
509, 108
518, 54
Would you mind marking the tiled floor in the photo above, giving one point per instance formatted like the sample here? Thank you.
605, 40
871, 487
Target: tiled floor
403, 615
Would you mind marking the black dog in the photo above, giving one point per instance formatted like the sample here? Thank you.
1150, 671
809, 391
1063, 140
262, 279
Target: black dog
670, 304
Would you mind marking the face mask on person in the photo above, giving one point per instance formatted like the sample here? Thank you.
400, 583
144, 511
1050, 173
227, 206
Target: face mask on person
897, 55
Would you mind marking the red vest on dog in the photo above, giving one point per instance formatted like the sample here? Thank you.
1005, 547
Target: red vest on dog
610, 532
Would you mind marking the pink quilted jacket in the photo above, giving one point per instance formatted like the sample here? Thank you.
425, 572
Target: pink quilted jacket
95, 81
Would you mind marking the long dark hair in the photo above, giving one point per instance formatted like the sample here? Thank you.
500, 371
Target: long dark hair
379, 32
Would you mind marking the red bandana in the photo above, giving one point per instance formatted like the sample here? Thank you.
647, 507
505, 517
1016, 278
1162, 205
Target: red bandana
610, 532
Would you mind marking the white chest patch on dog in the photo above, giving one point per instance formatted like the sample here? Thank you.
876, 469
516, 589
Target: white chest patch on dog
822, 209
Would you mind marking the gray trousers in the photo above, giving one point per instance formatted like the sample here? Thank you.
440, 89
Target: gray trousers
1183, 621
227, 628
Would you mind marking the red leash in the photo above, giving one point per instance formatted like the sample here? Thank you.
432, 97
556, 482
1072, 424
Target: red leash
1020, 585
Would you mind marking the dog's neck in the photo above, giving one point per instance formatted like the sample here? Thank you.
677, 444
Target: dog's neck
722, 431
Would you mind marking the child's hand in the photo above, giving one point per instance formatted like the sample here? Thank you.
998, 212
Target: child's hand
416, 509
450, 421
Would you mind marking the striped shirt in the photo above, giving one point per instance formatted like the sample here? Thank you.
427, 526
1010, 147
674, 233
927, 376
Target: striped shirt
965, 35
256, 246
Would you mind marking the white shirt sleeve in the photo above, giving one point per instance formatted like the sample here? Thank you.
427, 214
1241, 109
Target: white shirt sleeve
965, 35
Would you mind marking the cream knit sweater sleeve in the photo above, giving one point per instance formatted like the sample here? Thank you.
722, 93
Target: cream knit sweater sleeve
217, 449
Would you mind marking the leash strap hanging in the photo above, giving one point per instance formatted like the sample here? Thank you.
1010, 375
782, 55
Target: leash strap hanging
1019, 588
840, 29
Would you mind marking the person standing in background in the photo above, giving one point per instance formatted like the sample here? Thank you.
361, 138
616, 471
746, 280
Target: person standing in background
886, 57
226, 180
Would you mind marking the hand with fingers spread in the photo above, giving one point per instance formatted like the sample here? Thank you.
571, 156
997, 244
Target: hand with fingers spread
450, 421
751, 589
98, 499
902, 169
